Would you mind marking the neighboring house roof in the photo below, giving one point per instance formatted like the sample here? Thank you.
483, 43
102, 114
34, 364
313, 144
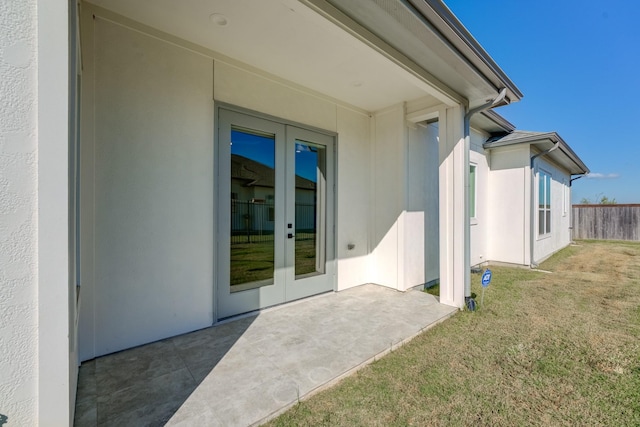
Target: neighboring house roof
492, 122
563, 155
255, 174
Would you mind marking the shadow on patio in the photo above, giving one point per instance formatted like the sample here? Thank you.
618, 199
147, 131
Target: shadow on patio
247, 370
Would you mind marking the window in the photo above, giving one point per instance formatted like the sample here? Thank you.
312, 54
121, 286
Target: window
566, 196
544, 203
472, 191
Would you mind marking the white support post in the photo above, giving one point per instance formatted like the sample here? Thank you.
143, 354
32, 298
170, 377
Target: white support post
453, 205
55, 318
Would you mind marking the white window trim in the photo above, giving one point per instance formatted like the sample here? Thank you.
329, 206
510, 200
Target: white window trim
565, 197
545, 234
473, 216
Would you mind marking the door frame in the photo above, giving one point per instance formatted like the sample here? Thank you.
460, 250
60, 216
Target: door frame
331, 246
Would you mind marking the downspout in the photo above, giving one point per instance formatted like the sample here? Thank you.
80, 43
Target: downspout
577, 177
469, 302
532, 212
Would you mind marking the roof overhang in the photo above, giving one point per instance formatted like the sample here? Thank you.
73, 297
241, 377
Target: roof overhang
428, 34
492, 123
368, 53
542, 141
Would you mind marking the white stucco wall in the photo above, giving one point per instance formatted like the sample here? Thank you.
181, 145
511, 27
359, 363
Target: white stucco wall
421, 231
169, 94
353, 198
389, 194
511, 225
405, 204
479, 225
387, 188
18, 213
153, 184
560, 235
508, 207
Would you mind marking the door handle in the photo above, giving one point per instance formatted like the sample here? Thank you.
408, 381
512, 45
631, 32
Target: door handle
290, 236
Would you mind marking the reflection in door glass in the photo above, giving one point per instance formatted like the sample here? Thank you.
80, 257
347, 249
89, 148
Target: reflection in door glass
310, 205
252, 209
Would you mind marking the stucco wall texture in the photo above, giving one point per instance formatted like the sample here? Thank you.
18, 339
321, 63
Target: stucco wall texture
18, 213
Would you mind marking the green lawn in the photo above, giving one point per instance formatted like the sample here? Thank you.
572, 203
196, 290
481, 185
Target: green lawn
255, 261
546, 349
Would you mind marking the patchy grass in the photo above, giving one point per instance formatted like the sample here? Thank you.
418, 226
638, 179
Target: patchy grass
433, 290
546, 349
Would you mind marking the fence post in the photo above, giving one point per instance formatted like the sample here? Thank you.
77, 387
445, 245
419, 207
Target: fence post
247, 221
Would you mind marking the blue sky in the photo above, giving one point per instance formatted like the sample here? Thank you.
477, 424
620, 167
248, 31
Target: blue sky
262, 150
578, 65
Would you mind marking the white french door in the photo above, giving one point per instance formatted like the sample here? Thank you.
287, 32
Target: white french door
275, 213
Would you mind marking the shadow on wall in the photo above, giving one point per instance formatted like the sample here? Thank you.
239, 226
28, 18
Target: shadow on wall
3, 419
147, 385
410, 218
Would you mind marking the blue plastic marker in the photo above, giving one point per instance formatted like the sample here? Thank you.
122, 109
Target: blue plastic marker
486, 279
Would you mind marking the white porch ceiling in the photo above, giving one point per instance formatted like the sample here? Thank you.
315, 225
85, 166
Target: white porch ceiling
286, 39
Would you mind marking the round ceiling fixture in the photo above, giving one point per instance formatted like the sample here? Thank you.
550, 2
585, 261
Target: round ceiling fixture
218, 19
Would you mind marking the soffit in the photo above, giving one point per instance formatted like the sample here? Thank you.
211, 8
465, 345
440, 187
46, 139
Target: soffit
491, 122
422, 33
565, 157
284, 38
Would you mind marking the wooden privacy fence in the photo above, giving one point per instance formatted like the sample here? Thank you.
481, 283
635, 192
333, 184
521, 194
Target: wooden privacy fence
606, 222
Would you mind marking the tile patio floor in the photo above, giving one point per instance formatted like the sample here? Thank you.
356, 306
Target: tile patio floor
244, 372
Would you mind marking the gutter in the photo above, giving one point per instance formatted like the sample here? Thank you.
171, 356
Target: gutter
470, 302
532, 212
577, 177
451, 29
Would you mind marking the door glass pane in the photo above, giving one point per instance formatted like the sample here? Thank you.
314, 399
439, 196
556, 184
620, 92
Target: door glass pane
310, 209
252, 209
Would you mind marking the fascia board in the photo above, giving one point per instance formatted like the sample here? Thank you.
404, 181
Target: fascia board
436, 12
539, 137
570, 154
499, 120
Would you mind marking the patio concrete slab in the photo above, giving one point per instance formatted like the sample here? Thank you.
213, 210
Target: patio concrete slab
247, 370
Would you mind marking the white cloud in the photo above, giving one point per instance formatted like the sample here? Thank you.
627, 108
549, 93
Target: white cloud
596, 175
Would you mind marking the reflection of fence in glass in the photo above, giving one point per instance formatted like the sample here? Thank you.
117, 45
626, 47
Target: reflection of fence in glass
252, 221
